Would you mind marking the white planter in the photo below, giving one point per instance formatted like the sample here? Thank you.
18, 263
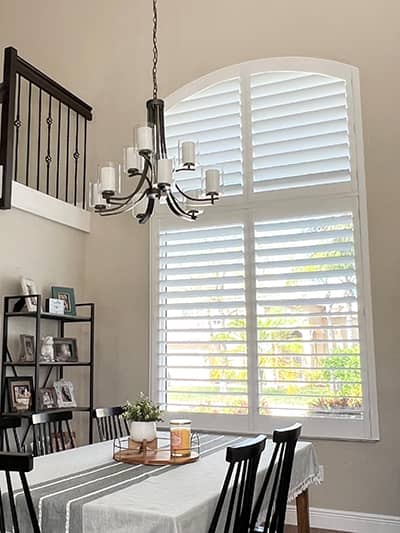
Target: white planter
141, 431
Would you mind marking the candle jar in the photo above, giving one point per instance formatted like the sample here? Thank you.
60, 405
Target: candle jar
180, 434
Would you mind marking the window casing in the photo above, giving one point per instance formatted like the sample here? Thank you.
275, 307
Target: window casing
261, 310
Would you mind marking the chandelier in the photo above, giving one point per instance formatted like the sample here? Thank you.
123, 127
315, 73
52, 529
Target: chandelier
153, 173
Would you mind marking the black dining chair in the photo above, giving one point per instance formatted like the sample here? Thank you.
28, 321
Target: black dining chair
268, 515
21, 463
243, 462
8, 429
110, 423
52, 432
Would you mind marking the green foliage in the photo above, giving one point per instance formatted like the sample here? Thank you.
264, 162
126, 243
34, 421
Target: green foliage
143, 410
344, 366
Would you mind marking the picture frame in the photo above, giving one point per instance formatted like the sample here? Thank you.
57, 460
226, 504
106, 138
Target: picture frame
29, 288
67, 294
20, 393
27, 348
47, 398
65, 350
64, 393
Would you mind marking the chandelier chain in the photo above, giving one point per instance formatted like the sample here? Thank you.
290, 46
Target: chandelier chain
155, 50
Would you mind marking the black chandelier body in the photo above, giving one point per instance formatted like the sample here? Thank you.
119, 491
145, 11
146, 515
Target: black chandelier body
148, 163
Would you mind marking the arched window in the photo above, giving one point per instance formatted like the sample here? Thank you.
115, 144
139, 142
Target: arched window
262, 311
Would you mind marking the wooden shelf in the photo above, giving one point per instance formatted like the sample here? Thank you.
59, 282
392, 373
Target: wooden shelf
48, 316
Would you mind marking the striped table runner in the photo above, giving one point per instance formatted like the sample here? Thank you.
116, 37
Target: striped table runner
60, 501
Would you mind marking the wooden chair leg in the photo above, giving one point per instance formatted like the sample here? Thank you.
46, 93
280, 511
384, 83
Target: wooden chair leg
303, 513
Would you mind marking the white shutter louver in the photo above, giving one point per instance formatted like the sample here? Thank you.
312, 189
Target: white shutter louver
307, 317
202, 357
299, 130
260, 317
212, 118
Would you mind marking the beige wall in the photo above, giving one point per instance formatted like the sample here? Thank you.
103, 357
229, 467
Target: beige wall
50, 254
101, 49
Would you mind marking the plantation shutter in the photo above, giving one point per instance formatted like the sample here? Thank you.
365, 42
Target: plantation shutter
210, 117
202, 355
307, 317
299, 130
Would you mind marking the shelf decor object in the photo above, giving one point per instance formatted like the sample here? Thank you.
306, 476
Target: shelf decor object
44, 372
67, 295
20, 393
157, 452
150, 169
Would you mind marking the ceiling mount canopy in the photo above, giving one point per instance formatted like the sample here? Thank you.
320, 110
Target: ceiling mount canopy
152, 172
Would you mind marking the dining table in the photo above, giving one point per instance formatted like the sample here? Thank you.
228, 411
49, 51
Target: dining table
84, 490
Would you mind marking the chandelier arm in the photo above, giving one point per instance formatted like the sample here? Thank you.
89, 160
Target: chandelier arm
192, 198
111, 212
140, 184
120, 207
143, 218
177, 209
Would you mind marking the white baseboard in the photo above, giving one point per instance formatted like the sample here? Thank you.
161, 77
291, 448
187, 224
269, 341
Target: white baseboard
348, 521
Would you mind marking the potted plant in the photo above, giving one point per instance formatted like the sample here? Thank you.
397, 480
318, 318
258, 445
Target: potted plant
143, 415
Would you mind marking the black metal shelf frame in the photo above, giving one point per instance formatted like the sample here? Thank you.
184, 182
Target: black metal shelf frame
36, 365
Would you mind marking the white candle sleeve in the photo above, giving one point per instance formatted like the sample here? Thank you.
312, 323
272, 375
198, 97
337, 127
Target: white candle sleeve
164, 170
107, 178
188, 153
96, 198
212, 181
145, 138
132, 158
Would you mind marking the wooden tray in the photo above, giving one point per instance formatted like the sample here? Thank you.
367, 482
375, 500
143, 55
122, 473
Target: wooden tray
156, 457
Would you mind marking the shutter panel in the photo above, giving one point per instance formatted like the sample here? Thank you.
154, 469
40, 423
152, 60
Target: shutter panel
307, 317
212, 118
202, 355
299, 130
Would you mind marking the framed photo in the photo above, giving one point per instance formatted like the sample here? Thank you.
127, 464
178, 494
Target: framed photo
27, 348
29, 288
47, 398
64, 393
67, 295
20, 393
65, 350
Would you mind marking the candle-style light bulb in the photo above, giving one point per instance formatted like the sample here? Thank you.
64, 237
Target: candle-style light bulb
144, 139
164, 171
188, 153
212, 181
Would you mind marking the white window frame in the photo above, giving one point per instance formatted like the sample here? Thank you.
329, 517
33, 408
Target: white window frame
281, 204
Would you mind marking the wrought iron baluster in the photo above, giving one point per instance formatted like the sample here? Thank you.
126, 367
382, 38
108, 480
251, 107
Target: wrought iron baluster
28, 133
84, 164
48, 158
76, 157
39, 141
17, 124
58, 150
67, 155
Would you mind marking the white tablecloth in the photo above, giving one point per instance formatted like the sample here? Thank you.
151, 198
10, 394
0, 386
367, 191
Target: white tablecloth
174, 500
